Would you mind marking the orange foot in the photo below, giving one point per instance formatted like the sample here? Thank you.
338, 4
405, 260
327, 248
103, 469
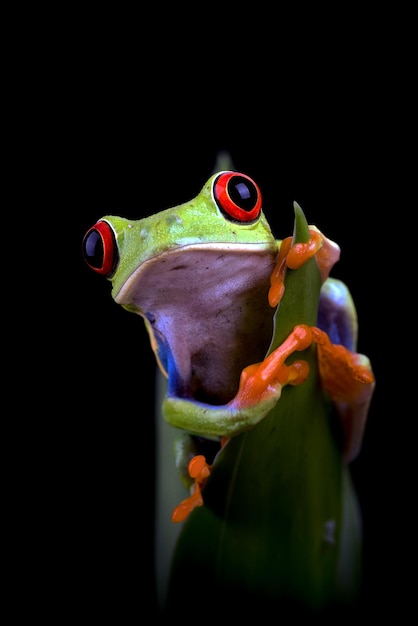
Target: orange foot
260, 380
199, 470
293, 256
348, 379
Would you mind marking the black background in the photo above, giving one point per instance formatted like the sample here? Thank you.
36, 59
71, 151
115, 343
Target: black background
124, 131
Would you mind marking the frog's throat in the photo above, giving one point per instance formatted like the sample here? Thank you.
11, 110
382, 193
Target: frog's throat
207, 312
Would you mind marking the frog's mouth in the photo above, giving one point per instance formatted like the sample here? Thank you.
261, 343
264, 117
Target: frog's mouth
207, 312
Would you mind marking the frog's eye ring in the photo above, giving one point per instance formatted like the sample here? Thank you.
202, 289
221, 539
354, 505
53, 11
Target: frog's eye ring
99, 248
237, 196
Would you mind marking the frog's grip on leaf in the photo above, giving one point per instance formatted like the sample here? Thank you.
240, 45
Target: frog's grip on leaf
293, 256
346, 376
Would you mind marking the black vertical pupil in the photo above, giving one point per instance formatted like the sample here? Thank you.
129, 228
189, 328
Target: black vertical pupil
93, 249
242, 192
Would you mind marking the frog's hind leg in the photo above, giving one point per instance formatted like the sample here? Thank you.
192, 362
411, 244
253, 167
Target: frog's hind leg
346, 376
337, 315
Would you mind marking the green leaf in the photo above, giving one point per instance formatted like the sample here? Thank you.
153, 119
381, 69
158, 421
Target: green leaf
280, 525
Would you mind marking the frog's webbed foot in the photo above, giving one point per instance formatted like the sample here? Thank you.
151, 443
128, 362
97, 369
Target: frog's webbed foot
199, 471
346, 376
293, 256
262, 382
348, 379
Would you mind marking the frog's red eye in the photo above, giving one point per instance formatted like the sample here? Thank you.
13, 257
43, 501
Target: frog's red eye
237, 196
99, 248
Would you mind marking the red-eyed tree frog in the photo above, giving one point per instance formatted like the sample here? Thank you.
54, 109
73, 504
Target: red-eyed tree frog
207, 277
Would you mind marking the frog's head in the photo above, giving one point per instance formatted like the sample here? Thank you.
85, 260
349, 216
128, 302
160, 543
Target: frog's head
199, 275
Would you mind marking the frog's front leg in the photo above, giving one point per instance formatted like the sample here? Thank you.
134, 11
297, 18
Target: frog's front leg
259, 390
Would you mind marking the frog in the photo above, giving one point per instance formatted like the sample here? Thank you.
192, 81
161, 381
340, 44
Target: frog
207, 277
